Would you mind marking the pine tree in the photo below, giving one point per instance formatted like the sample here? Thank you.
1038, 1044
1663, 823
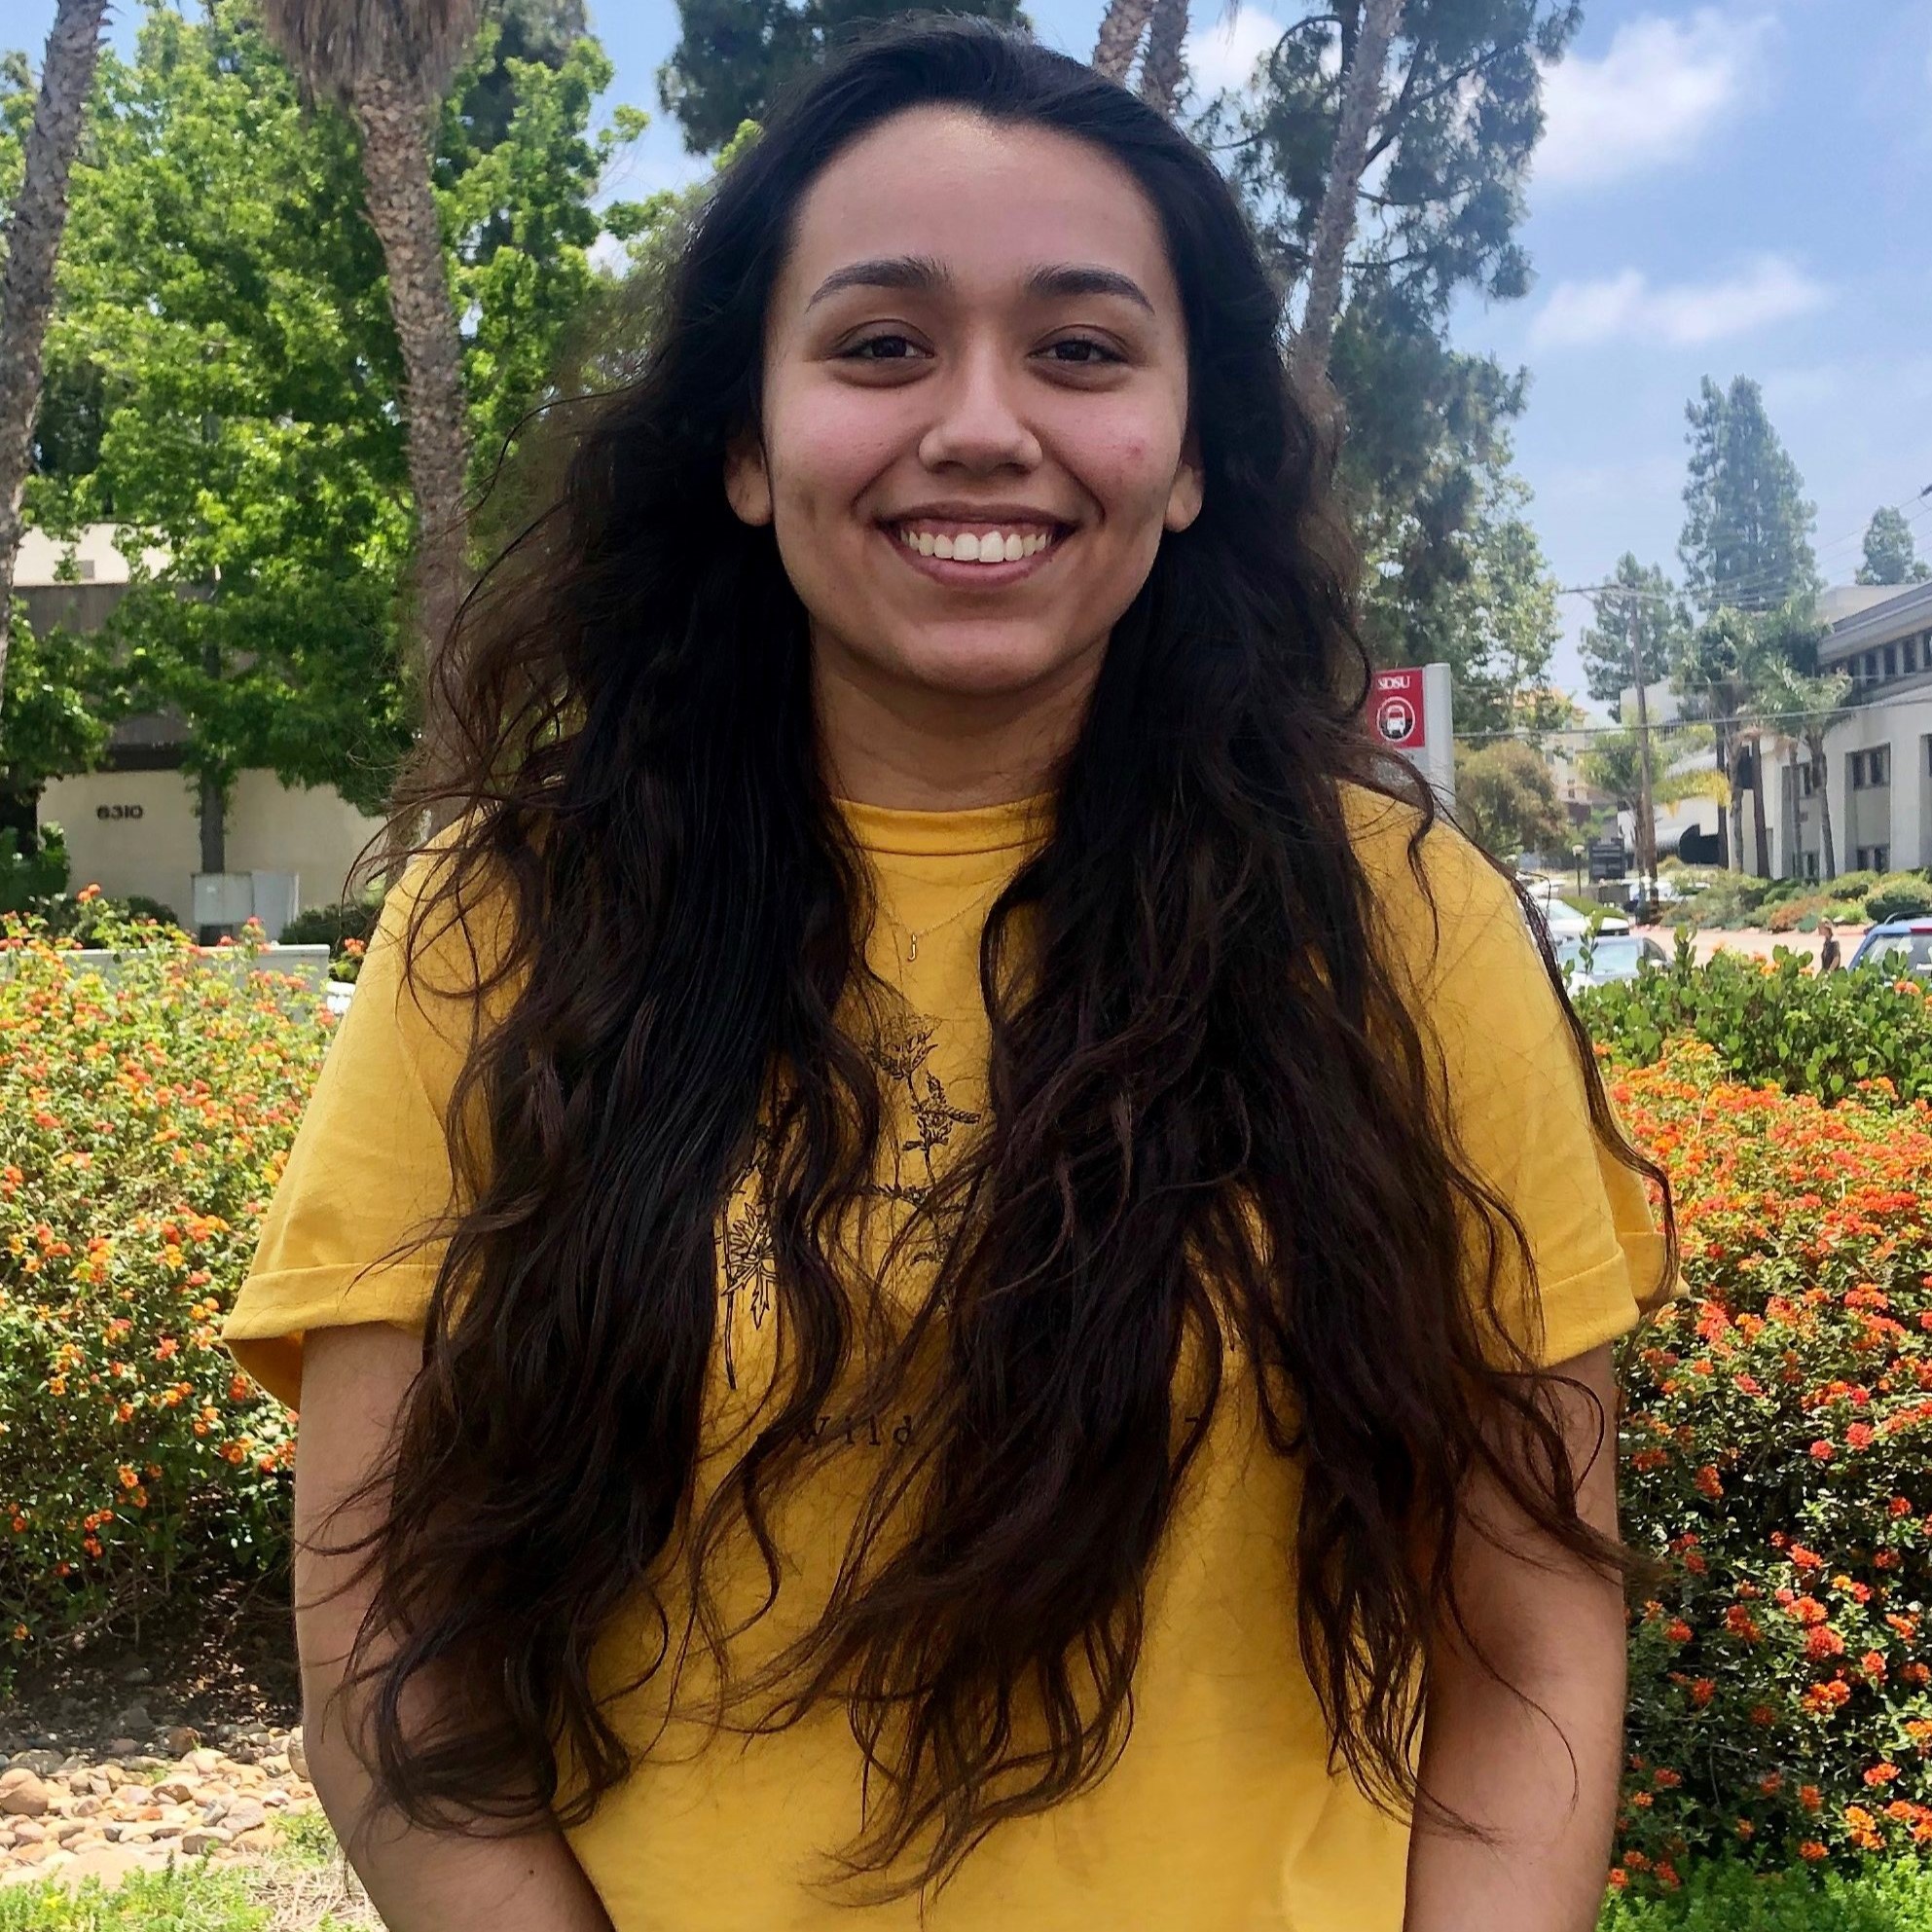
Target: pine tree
1747, 528
1662, 623
1890, 554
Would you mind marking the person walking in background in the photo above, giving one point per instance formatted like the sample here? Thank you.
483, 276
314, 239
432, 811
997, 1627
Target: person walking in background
1828, 953
955, 1267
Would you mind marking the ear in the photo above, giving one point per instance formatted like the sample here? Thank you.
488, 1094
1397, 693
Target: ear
1183, 496
747, 483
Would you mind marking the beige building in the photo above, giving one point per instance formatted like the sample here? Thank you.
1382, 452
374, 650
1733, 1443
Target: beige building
132, 826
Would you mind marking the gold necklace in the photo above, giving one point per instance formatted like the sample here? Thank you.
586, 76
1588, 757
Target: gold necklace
913, 938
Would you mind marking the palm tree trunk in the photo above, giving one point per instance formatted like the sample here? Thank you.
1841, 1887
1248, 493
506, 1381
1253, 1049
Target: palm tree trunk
1819, 772
1334, 226
1120, 30
1162, 72
33, 243
396, 158
1793, 822
1758, 826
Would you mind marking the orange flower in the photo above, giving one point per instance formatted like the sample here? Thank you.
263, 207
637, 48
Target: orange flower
1812, 1851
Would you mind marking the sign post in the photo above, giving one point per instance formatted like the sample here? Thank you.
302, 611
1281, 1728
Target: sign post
1410, 712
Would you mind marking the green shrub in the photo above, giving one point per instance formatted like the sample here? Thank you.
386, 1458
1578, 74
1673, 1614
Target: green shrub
1890, 1895
1899, 896
24, 882
144, 1119
1776, 1022
193, 1900
1777, 1438
330, 925
84, 917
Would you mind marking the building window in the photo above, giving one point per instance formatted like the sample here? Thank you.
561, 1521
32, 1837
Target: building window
1857, 764
1872, 768
1882, 859
1805, 780
1891, 660
1810, 866
1861, 859
1870, 667
1909, 652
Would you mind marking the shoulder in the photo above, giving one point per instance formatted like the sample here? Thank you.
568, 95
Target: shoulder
1437, 898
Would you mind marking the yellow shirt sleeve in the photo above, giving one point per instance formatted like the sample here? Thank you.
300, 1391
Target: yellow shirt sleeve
1515, 1099
369, 1170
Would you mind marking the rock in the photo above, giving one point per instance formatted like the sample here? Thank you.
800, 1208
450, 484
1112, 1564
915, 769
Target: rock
43, 1764
135, 1718
28, 1831
275, 1797
109, 1863
203, 1840
202, 1761
169, 1828
298, 1756
245, 1815
33, 1852
146, 1762
138, 1673
216, 1810
181, 1738
277, 1764
70, 1829
22, 1795
85, 1807
122, 1747
175, 1791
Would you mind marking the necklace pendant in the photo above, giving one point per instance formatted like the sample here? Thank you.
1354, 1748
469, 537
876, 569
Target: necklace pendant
912, 949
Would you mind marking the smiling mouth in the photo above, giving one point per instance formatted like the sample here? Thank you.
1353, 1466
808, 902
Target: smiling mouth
980, 546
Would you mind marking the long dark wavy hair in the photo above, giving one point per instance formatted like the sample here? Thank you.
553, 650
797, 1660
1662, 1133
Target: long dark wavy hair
1213, 1145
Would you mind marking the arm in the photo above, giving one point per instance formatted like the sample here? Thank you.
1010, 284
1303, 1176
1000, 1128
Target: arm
1558, 1633
352, 1385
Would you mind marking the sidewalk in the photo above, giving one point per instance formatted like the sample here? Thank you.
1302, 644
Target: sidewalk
1757, 940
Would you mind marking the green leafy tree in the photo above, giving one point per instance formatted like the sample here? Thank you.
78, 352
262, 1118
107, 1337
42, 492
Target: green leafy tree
1663, 624
1505, 798
1436, 215
1614, 765
1747, 527
1891, 557
1485, 605
733, 56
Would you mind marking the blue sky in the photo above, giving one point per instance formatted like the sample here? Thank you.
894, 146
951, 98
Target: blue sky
1734, 189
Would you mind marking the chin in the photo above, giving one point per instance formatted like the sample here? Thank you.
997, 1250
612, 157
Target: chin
979, 667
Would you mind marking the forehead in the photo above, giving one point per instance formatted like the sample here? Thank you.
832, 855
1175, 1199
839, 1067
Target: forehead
987, 202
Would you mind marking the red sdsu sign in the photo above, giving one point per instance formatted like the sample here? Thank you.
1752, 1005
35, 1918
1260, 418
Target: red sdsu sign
1395, 709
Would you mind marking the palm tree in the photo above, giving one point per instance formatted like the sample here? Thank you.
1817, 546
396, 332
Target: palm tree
1812, 705
1161, 71
388, 62
1613, 766
33, 243
1120, 30
1362, 70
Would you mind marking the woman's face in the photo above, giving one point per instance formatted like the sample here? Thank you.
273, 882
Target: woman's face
976, 351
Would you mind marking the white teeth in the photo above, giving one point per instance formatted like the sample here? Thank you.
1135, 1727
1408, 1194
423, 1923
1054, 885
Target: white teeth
965, 547
926, 543
942, 546
971, 547
1016, 548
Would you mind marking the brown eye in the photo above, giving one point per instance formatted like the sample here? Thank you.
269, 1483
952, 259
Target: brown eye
1078, 352
880, 348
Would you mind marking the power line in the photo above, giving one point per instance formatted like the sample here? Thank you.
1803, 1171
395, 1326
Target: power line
1748, 720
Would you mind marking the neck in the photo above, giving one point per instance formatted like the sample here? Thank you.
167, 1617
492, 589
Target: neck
887, 740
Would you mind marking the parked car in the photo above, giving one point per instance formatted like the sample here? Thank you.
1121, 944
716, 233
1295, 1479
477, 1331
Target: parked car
1563, 920
1904, 945
1610, 956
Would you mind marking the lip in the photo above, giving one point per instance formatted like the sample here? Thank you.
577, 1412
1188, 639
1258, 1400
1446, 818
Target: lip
958, 575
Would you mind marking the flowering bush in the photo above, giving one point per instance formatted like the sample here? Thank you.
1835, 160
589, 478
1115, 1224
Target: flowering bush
144, 1117
1773, 1021
1778, 1444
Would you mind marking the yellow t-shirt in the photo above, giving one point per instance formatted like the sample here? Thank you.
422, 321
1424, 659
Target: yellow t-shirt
1222, 1814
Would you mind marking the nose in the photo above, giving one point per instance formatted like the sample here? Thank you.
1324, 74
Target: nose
980, 425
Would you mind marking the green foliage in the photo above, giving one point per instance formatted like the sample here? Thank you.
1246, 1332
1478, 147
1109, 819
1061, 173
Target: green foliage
52, 715
733, 56
1899, 896
1506, 800
1725, 1895
144, 1118
1747, 528
23, 882
1776, 1431
1891, 557
1662, 622
331, 925
89, 919
1775, 1023
189, 1900
1455, 572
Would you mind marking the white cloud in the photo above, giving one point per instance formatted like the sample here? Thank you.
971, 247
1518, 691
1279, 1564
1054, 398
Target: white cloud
1677, 315
1658, 89
1222, 56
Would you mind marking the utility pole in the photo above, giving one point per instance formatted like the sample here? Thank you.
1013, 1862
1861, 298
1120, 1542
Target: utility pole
1645, 803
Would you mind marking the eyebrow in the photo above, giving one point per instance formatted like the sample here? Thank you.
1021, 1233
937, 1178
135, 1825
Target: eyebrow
923, 273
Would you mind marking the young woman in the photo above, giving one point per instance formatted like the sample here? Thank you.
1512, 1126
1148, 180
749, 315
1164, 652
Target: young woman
953, 1266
